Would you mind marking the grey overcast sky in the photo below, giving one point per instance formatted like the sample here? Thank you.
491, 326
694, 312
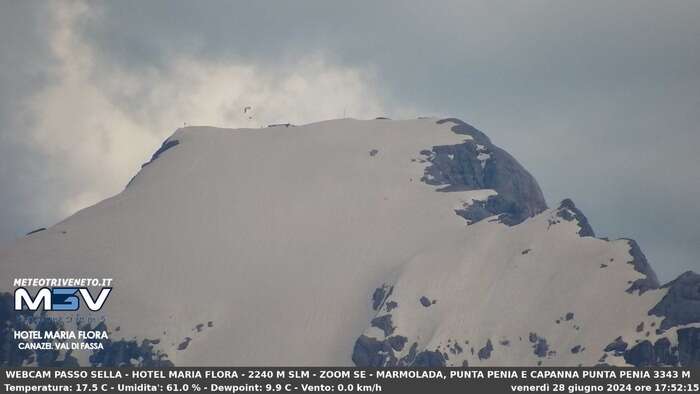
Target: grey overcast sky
600, 100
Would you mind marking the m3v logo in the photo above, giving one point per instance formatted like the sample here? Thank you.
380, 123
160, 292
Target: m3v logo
60, 299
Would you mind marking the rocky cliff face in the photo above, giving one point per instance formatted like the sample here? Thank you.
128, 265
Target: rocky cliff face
478, 164
346, 242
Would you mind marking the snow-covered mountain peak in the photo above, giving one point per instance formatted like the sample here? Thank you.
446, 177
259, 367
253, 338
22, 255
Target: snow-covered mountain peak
373, 242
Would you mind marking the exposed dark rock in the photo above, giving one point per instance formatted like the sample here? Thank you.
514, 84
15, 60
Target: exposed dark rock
425, 301
641, 355
576, 349
430, 359
568, 211
457, 168
391, 305
373, 152
380, 295
618, 346
366, 352
167, 144
410, 358
641, 265
552, 222
127, 353
183, 345
485, 352
689, 347
370, 352
397, 342
453, 167
510, 212
661, 353
569, 316
664, 354
47, 358
36, 231
11, 320
681, 304
541, 348
384, 323
474, 212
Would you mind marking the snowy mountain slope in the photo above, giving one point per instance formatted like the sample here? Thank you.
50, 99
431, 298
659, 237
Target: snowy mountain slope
535, 292
267, 247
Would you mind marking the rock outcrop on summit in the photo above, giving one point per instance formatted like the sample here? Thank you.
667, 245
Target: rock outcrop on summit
348, 242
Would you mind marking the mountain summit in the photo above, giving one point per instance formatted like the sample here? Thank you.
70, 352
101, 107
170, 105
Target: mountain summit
349, 242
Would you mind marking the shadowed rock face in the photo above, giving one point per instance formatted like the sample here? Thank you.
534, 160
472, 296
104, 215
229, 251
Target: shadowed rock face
689, 347
379, 296
618, 347
478, 164
681, 305
10, 355
383, 323
167, 144
429, 359
370, 352
569, 212
485, 352
662, 353
641, 265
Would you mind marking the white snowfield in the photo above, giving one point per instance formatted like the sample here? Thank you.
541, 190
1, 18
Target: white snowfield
280, 236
